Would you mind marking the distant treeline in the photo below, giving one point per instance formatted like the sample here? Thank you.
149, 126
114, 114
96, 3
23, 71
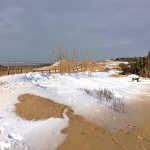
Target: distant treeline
139, 66
124, 59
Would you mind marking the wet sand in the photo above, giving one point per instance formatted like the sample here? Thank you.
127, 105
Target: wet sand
84, 135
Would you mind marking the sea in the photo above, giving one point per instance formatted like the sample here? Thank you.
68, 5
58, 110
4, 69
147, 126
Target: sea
23, 63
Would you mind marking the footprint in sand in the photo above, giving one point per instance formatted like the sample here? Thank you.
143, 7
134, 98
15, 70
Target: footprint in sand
136, 92
71, 99
139, 137
106, 134
53, 92
142, 147
130, 126
102, 120
115, 141
12, 92
147, 99
96, 110
121, 130
87, 105
144, 134
60, 93
95, 118
139, 98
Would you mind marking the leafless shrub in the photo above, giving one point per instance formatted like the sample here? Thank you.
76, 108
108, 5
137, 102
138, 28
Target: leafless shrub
99, 93
70, 65
87, 91
118, 105
106, 95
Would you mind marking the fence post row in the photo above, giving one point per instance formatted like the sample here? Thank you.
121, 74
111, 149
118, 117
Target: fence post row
8, 70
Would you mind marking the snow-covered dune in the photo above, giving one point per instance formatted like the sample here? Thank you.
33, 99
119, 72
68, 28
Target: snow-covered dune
18, 133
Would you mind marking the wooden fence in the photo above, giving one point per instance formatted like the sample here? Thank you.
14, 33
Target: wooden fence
81, 67
10, 70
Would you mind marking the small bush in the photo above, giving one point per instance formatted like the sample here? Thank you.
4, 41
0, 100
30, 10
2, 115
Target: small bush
107, 96
87, 91
123, 67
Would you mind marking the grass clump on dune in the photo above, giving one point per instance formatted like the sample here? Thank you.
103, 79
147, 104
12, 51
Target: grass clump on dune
105, 95
70, 65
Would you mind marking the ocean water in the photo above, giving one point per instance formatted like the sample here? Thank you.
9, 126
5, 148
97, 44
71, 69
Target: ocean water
27, 63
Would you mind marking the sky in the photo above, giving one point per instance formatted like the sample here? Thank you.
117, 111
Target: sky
29, 30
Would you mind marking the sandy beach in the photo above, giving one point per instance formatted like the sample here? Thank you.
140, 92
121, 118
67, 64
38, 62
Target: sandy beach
58, 109
84, 135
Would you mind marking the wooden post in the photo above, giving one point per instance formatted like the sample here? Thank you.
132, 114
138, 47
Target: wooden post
32, 69
8, 71
21, 69
49, 71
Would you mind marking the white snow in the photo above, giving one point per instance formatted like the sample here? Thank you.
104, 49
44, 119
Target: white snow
56, 64
15, 136
18, 133
112, 64
4, 144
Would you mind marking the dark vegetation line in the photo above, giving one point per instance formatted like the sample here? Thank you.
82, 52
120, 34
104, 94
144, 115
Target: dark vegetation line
124, 59
139, 66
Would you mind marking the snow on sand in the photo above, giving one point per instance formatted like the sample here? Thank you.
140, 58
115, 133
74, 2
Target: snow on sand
18, 133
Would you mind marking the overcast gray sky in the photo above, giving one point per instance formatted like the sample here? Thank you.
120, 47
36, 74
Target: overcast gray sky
30, 29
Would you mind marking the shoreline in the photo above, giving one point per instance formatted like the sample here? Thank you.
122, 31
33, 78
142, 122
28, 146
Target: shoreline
29, 65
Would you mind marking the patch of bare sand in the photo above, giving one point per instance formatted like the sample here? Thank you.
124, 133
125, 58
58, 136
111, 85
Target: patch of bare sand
64, 64
97, 69
1, 83
32, 107
118, 75
84, 135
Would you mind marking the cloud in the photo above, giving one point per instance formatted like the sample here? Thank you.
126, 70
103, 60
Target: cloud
113, 44
37, 26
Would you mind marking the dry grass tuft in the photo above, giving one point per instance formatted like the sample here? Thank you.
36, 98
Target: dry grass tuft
70, 65
106, 95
